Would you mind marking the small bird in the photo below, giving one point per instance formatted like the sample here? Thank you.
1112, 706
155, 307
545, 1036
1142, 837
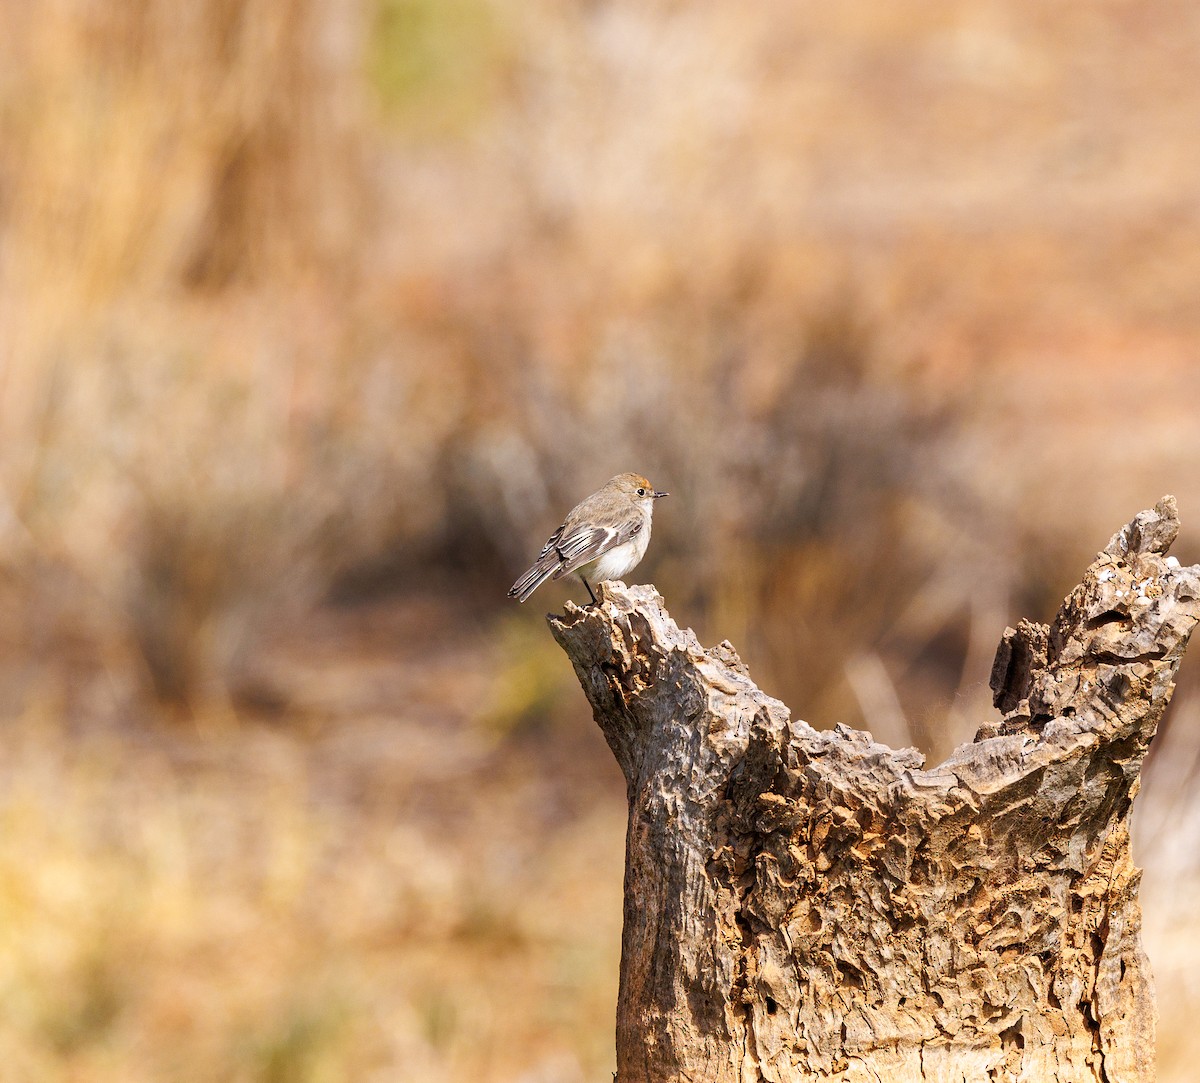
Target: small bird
611, 528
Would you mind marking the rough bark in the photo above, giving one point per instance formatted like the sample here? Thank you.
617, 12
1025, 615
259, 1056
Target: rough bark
814, 905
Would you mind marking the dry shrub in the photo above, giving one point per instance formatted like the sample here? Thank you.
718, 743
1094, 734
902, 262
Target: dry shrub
246, 367
215, 910
305, 295
180, 184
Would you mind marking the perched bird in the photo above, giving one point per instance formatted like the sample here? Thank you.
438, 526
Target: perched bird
611, 529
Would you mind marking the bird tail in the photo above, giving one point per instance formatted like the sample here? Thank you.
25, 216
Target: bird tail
535, 577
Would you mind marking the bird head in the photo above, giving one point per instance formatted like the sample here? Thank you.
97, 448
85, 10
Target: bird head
637, 487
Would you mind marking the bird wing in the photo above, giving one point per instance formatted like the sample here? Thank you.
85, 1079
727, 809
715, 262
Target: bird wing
586, 543
543, 568
551, 545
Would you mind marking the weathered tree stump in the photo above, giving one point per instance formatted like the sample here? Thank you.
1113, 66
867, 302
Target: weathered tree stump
814, 905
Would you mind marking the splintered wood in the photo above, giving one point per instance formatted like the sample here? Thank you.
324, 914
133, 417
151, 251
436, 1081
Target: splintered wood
814, 905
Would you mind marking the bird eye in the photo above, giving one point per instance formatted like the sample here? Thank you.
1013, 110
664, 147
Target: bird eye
641, 492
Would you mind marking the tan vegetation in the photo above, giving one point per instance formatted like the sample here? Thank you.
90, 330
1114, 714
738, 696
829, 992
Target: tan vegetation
314, 317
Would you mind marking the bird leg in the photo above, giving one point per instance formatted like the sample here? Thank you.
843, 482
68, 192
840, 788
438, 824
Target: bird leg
589, 589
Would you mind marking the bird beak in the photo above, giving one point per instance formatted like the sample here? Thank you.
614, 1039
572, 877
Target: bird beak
658, 495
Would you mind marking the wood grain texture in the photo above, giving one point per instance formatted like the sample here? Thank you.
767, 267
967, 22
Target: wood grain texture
814, 905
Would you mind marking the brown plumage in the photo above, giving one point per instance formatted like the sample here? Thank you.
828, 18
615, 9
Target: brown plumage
610, 528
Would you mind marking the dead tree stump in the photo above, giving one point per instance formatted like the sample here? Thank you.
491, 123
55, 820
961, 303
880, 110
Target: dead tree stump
814, 905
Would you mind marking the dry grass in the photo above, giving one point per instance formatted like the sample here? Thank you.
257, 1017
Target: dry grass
279, 905
304, 301
1165, 831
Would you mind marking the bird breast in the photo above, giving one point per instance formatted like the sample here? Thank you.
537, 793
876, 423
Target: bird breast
623, 558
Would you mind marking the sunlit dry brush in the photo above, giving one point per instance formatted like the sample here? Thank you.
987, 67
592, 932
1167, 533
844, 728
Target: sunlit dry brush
180, 185
253, 908
805, 904
268, 328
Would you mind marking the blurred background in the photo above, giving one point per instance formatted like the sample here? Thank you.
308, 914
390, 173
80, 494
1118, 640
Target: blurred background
315, 318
